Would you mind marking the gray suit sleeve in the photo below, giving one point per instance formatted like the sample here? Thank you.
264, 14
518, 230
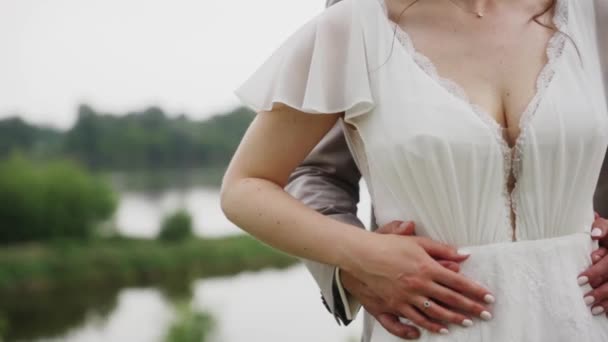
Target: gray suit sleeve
601, 20
328, 181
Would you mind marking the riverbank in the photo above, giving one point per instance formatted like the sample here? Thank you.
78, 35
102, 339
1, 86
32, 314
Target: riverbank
37, 267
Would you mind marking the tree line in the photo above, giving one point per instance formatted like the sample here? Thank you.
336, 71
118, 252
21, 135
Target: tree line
135, 140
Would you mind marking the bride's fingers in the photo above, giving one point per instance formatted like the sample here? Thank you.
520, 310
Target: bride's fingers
420, 320
465, 286
600, 229
457, 301
597, 299
437, 311
595, 275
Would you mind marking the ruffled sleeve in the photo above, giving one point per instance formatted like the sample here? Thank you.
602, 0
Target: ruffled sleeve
319, 69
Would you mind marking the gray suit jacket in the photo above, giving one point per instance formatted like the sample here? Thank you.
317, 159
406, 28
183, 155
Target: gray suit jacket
328, 179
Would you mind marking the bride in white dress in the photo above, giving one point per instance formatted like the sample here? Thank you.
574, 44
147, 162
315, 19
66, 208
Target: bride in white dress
484, 127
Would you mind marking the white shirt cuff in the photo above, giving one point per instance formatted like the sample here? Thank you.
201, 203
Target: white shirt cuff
351, 304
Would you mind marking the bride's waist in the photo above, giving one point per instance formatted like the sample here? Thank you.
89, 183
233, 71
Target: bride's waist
579, 241
568, 253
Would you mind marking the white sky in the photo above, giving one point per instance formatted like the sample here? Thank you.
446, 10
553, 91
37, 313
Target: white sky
119, 55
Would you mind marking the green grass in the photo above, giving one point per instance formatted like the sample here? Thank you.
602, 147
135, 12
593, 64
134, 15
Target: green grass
40, 267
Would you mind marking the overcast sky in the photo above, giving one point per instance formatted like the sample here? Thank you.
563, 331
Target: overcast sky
119, 55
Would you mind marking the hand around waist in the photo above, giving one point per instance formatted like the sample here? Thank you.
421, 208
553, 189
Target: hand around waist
401, 275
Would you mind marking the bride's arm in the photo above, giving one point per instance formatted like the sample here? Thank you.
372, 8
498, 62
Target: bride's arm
252, 191
402, 268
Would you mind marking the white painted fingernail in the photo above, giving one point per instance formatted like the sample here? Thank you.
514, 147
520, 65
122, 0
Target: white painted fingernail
486, 315
489, 299
463, 252
589, 300
582, 280
596, 232
404, 320
467, 322
596, 257
444, 331
597, 310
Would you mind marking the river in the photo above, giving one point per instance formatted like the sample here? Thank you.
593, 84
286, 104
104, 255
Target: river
268, 305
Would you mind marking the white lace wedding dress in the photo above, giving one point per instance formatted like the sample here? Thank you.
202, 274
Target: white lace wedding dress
431, 156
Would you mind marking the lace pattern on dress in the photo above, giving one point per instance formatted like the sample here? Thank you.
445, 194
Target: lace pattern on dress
555, 49
512, 156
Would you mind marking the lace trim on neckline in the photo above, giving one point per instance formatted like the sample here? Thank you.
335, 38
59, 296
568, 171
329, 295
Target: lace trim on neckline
512, 156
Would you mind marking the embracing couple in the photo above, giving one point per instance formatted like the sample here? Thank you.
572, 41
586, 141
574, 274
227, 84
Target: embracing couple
480, 128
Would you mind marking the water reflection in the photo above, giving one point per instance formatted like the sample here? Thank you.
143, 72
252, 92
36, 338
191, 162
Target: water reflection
141, 314
270, 305
52, 314
140, 212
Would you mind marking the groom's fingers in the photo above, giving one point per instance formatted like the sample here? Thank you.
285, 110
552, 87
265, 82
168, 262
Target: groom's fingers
391, 323
409, 228
450, 265
598, 254
397, 227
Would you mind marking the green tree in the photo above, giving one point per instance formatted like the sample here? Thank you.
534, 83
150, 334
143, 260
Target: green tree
177, 226
40, 201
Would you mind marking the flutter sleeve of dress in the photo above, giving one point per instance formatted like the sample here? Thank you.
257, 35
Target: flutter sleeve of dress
320, 69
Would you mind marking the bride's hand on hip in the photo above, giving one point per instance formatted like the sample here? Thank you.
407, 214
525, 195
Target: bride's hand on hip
372, 302
597, 274
401, 270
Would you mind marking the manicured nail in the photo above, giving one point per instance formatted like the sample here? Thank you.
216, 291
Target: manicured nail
489, 299
589, 300
597, 310
463, 252
595, 232
582, 280
486, 315
596, 257
467, 322
444, 331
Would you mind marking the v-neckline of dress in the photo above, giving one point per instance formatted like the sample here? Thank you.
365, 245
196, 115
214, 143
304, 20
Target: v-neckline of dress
512, 155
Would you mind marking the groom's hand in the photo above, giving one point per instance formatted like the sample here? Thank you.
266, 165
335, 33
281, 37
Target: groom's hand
373, 303
597, 274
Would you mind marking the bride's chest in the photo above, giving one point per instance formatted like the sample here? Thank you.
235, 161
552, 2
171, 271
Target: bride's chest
413, 110
496, 66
